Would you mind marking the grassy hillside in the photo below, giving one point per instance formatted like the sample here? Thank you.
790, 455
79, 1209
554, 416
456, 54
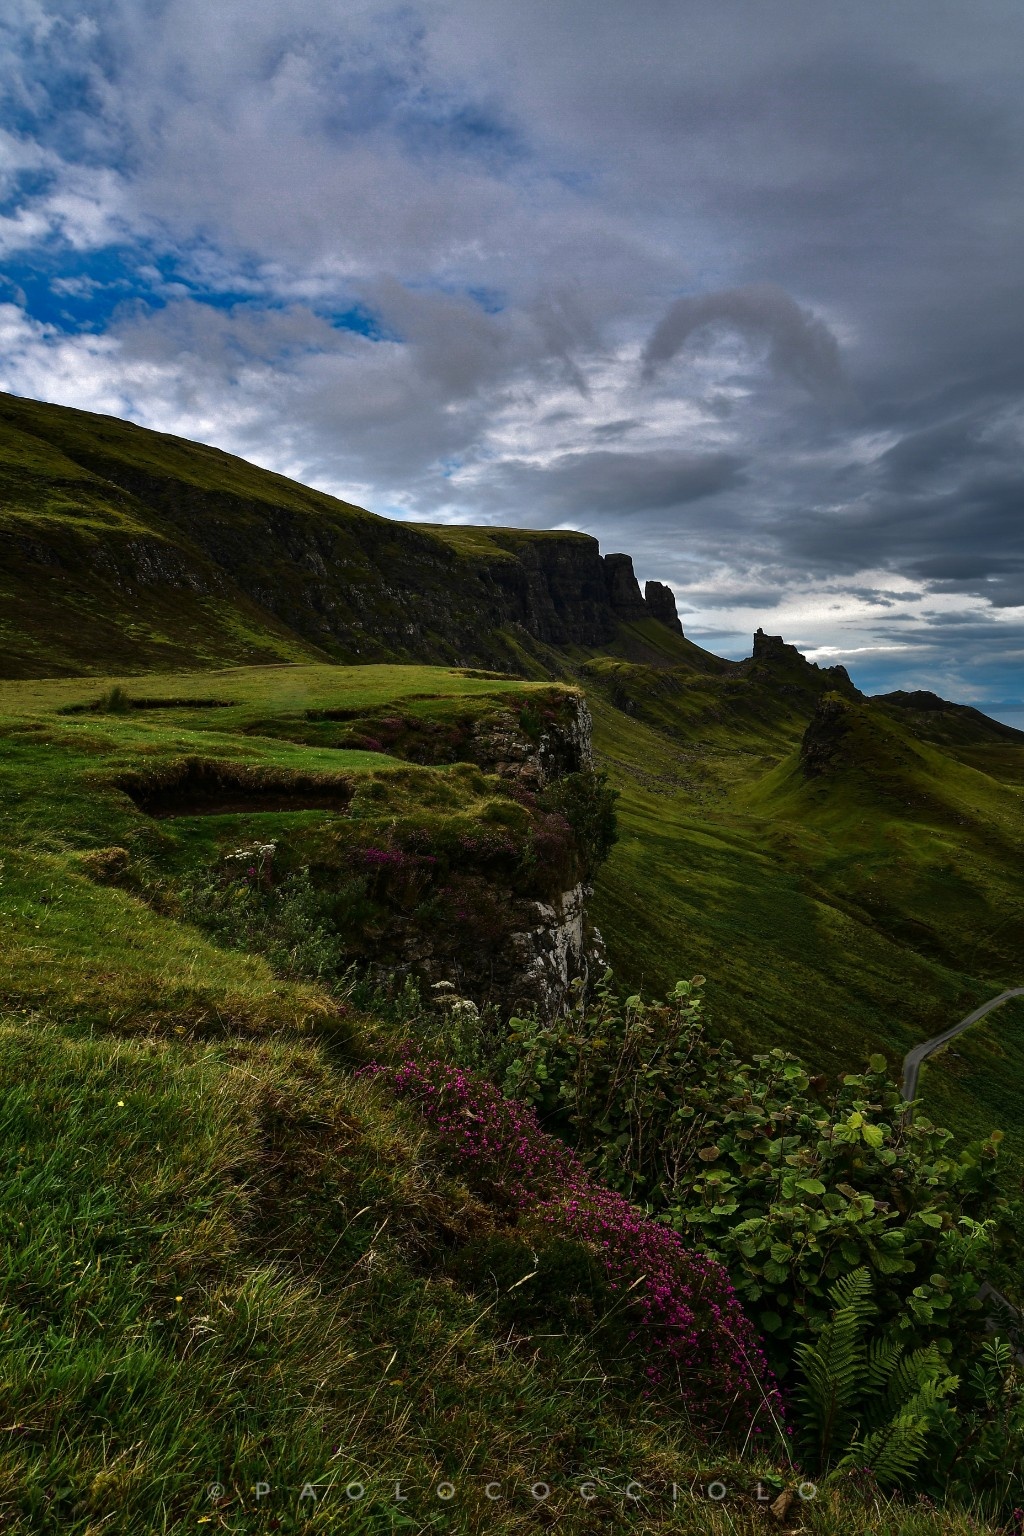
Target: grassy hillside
234, 1258
975, 1081
126, 549
861, 906
843, 911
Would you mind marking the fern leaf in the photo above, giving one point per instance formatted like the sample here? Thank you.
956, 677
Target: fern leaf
882, 1360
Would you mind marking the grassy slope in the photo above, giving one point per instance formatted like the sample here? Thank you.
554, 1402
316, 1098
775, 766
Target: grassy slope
975, 1082
92, 953
803, 904
127, 549
865, 908
860, 913
228, 1260
59, 516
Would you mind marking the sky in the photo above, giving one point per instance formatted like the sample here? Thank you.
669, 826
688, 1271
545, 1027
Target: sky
736, 287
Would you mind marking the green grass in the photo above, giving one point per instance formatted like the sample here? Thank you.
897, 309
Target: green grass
230, 1261
974, 1082
227, 1264
256, 692
123, 549
182, 1121
98, 954
242, 1273
864, 909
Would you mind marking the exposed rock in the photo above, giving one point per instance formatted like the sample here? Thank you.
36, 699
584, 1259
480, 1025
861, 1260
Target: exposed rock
563, 746
771, 650
661, 605
510, 940
562, 947
824, 737
624, 596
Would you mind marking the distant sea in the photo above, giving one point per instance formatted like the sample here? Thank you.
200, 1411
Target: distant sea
1013, 717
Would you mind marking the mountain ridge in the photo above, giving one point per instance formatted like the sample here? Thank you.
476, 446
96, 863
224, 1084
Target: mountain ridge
197, 550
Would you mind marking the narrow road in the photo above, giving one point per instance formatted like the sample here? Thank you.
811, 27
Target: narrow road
1003, 1312
913, 1059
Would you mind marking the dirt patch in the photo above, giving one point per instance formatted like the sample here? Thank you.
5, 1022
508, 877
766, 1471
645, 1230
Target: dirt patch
196, 786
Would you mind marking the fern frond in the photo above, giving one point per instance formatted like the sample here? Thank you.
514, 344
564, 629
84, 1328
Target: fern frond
911, 1373
892, 1452
852, 1293
833, 1367
882, 1359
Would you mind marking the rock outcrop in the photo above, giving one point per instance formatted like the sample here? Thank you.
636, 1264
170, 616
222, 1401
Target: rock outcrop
564, 746
561, 947
661, 605
508, 932
624, 596
773, 651
825, 737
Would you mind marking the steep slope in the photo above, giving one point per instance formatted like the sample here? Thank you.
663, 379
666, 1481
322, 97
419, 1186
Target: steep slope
845, 884
122, 548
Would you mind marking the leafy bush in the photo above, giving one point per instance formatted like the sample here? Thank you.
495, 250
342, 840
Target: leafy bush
803, 1190
298, 927
116, 701
978, 1450
866, 1404
793, 1183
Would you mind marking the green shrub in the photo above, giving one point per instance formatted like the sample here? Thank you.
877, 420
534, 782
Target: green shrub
978, 1450
587, 801
804, 1190
116, 701
793, 1183
299, 928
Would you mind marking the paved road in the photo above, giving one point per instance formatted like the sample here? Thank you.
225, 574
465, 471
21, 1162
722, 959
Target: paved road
913, 1059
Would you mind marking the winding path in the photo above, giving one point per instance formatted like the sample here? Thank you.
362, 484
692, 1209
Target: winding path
913, 1059
1001, 1310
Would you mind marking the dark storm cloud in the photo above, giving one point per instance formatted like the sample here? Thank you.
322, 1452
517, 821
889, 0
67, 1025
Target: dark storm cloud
799, 344
945, 445
968, 536
621, 484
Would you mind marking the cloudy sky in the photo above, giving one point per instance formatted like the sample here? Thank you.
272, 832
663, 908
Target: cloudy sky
736, 286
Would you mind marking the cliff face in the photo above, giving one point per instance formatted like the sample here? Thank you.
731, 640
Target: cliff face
624, 598
775, 653
661, 605
507, 943
164, 549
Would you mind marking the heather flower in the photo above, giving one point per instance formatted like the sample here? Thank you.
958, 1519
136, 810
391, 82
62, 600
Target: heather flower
685, 1313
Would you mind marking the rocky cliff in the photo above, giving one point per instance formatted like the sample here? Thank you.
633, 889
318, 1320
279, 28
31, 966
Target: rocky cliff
516, 932
661, 605
123, 549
